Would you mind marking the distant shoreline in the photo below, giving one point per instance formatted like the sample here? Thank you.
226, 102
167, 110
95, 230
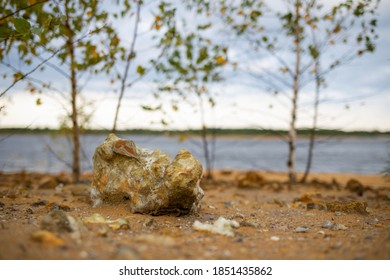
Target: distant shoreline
228, 133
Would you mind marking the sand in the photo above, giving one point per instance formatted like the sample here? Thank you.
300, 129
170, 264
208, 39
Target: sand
276, 220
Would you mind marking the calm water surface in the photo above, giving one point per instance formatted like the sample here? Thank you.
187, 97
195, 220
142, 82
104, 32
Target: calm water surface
354, 155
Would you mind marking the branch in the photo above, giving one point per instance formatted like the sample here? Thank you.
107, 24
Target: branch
128, 63
24, 8
58, 157
44, 62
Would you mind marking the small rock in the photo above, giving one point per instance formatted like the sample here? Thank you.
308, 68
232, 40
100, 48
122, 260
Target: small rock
102, 231
355, 186
55, 206
274, 238
47, 238
337, 245
95, 219
228, 203
239, 239
19, 190
220, 226
212, 207
30, 211
321, 232
80, 190
349, 207
118, 224
59, 188
237, 216
339, 227
249, 223
314, 205
327, 224
47, 182
337, 213
280, 203
150, 222
251, 180
59, 221
2, 204
39, 203
31, 221
301, 229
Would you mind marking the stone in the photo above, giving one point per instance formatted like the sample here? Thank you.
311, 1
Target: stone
355, 186
80, 189
251, 180
274, 238
350, 207
120, 223
59, 221
221, 226
301, 229
249, 223
47, 182
147, 181
339, 227
327, 224
2, 204
39, 203
47, 238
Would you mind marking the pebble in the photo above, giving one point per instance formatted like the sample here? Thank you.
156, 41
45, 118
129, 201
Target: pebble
150, 222
2, 204
301, 229
30, 211
47, 238
327, 224
275, 238
39, 203
337, 245
321, 232
249, 223
212, 207
237, 215
339, 227
337, 213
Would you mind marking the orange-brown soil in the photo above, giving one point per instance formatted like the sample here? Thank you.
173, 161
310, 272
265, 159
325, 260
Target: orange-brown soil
277, 221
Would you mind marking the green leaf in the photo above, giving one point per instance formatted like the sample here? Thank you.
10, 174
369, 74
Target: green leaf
141, 70
22, 25
37, 30
314, 52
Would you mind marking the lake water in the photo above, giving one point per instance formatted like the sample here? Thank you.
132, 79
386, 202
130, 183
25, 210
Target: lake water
353, 155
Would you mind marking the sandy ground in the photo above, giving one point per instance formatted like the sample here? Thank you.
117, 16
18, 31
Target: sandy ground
46, 217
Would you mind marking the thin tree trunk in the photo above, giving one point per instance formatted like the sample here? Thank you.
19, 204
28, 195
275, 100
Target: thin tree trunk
129, 58
204, 136
292, 135
312, 132
315, 116
74, 115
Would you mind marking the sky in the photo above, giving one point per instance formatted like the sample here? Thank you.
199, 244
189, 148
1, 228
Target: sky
357, 97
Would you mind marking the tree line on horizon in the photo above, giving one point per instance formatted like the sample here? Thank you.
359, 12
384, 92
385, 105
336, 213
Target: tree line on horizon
81, 40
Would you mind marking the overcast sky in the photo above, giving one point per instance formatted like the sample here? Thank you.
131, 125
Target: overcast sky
357, 98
